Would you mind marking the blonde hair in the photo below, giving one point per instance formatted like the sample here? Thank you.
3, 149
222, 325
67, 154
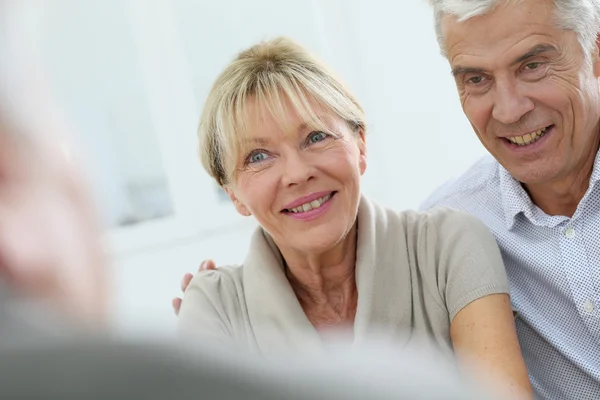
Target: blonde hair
269, 72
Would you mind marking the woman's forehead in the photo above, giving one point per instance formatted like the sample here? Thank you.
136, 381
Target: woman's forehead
285, 116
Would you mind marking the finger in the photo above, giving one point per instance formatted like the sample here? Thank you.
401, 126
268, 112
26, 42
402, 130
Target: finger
186, 281
209, 265
176, 305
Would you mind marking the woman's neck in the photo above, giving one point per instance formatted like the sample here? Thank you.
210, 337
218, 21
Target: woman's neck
325, 283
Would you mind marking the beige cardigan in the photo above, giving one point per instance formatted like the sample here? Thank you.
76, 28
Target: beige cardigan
414, 272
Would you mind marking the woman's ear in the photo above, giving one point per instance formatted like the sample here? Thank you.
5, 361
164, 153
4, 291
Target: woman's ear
239, 206
362, 148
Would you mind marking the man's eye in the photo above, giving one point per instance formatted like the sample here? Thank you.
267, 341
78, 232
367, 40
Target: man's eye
533, 65
475, 80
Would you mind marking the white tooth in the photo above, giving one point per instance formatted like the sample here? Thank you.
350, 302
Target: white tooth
519, 139
323, 199
310, 206
527, 138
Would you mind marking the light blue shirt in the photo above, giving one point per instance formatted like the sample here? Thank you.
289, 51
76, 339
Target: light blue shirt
553, 266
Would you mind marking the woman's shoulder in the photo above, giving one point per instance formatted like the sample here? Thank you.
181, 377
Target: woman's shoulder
439, 225
213, 304
441, 217
444, 221
217, 291
223, 281
451, 231
458, 256
443, 236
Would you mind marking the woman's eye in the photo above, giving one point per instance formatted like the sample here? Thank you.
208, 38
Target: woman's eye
317, 137
257, 157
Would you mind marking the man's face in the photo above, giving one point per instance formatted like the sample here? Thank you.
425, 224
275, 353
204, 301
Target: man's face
528, 90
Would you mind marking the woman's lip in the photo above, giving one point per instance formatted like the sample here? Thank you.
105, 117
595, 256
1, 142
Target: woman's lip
289, 212
314, 213
307, 199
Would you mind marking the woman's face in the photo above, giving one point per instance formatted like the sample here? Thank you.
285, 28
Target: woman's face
303, 187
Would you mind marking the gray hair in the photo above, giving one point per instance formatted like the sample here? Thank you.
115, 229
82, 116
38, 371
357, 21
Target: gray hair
580, 16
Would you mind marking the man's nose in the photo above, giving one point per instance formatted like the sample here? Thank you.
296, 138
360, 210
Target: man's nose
509, 103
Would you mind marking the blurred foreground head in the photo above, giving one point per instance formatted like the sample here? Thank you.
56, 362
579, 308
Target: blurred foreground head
50, 242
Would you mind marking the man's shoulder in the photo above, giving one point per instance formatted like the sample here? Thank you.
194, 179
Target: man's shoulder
480, 183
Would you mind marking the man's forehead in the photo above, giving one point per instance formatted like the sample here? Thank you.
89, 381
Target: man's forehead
508, 24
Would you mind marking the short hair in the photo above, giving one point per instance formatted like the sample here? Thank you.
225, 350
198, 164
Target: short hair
580, 16
269, 72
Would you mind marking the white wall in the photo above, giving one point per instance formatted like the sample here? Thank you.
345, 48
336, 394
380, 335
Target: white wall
418, 128
385, 50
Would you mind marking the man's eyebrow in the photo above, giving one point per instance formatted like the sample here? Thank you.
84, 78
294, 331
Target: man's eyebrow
466, 70
534, 51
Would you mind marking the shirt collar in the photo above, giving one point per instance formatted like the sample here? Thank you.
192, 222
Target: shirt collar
515, 199
596, 171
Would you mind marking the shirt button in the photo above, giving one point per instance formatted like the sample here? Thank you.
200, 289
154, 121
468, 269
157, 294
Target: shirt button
588, 306
570, 233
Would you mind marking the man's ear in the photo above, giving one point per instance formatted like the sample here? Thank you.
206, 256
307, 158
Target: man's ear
362, 148
239, 206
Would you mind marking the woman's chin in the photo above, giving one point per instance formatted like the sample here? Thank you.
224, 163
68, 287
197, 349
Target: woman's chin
317, 241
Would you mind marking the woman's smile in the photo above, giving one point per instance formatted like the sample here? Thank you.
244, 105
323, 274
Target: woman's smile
311, 209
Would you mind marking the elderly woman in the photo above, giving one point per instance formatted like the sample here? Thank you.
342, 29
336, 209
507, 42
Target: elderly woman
286, 141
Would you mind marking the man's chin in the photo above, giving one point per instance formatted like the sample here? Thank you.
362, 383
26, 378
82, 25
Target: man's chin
530, 176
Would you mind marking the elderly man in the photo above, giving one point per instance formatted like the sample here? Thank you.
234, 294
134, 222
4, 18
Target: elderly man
527, 75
